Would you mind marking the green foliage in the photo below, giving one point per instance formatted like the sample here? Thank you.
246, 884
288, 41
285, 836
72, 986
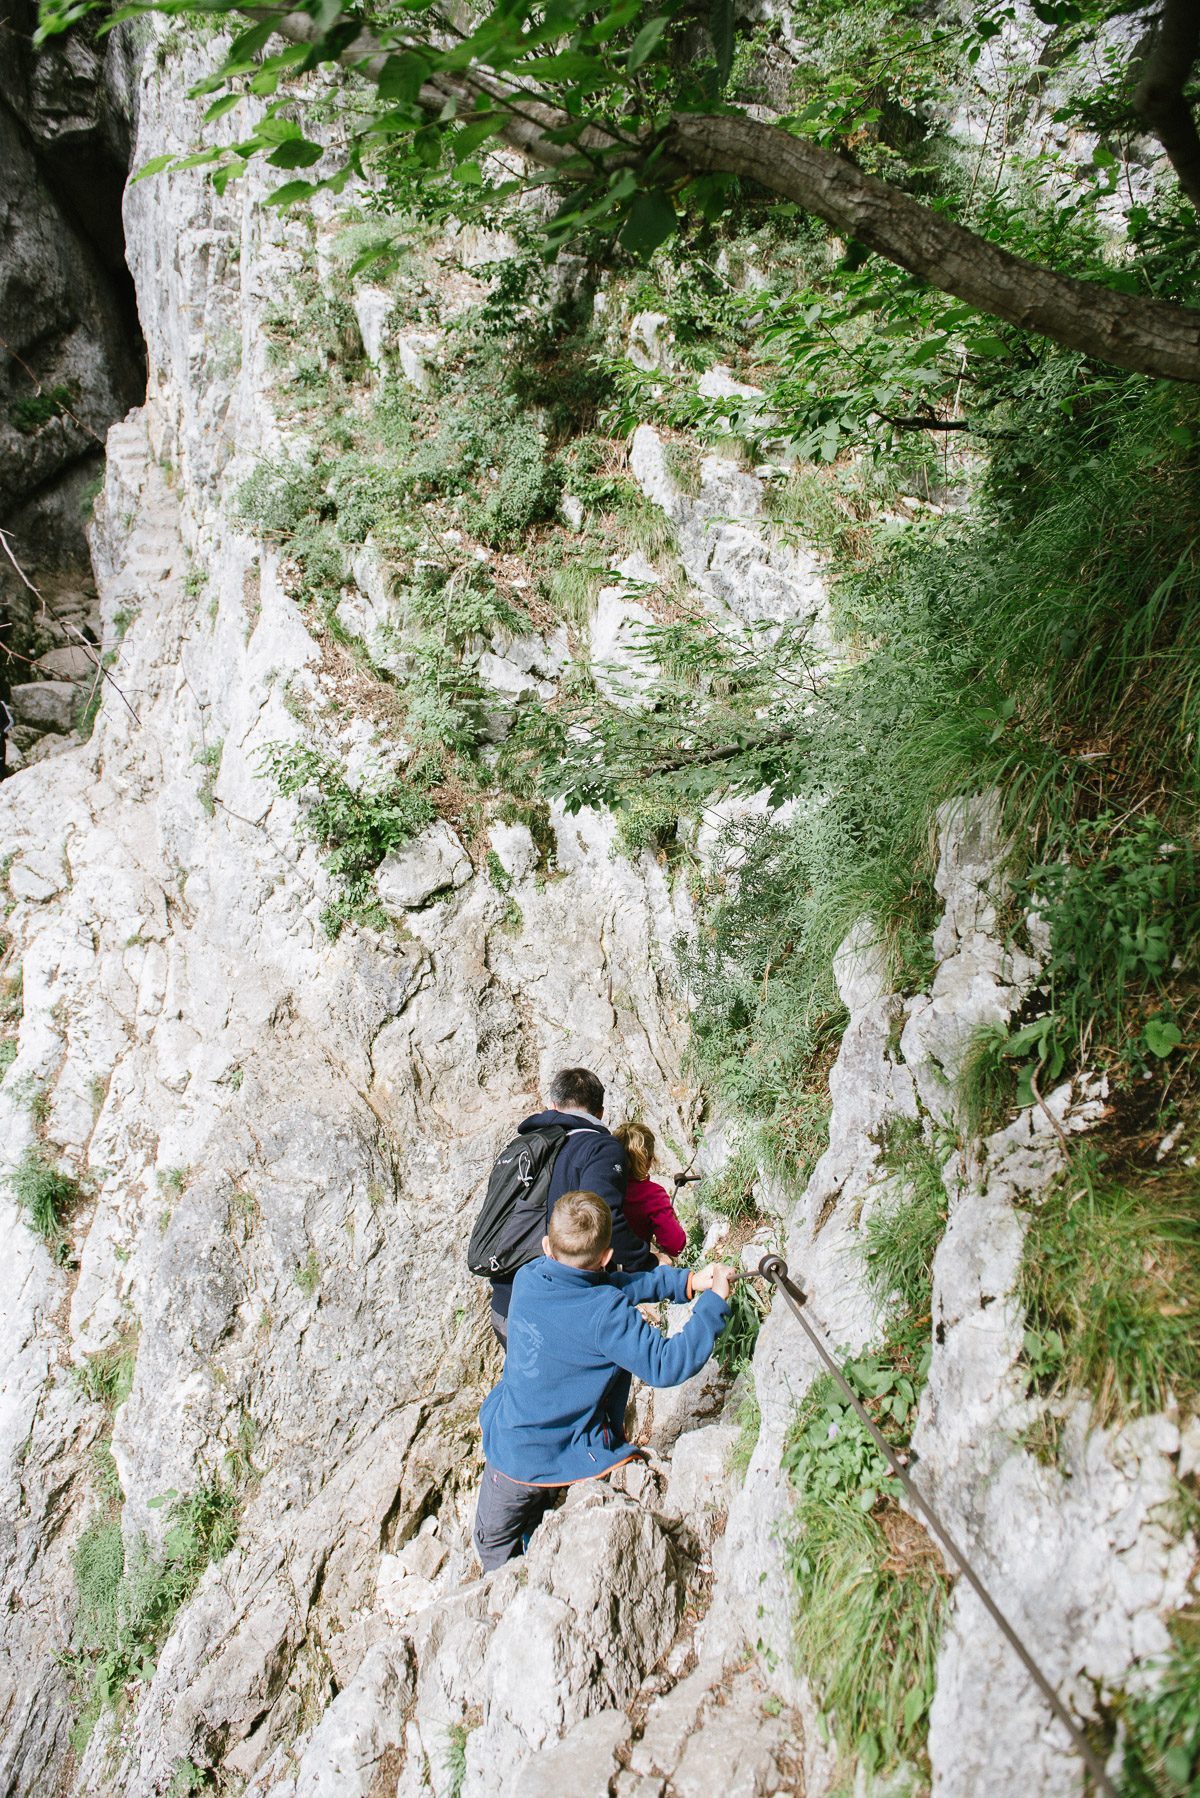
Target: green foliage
357, 828
29, 413
8, 1054
210, 761
735, 1345
902, 1232
186, 1779
126, 1600
1121, 901
732, 1191
748, 1418
1162, 1751
869, 1587
106, 1377
1111, 1283
648, 820
456, 1759
278, 496
986, 1082
308, 1274
46, 1196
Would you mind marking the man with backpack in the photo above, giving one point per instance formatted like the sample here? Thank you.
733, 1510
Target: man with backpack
565, 1148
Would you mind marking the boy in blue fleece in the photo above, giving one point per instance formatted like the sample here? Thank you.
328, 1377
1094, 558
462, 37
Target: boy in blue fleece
575, 1338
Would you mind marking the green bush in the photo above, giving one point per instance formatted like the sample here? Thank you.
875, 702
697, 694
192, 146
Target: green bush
34, 410
126, 1601
276, 498
735, 1345
107, 1376
356, 828
46, 1195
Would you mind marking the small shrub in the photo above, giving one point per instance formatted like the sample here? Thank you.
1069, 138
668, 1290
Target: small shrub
357, 829
986, 1082
276, 498
8, 1054
126, 1601
34, 410
456, 1759
648, 819
210, 761
186, 1779
107, 1376
497, 873
731, 1193
748, 1418
46, 1195
1122, 903
308, 1274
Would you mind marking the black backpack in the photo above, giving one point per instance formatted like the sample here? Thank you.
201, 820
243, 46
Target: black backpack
512, 1219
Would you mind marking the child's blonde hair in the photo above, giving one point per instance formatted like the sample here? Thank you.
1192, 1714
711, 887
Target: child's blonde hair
580, 1229
639, 1149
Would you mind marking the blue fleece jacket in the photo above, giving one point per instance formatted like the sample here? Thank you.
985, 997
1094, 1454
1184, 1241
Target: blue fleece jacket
573, 1336
591, 1160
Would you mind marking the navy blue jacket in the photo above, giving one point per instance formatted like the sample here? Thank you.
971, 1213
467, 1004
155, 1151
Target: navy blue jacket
591, 1160
573, 1335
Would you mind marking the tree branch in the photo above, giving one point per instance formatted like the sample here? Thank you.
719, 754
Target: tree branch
1159, 94
1147, 336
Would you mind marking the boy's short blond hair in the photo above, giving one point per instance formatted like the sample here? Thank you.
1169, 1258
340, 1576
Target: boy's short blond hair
580, 1229
639, 1149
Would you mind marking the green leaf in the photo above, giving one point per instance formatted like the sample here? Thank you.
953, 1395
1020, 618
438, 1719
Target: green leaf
298, 153
1177, 1765
402, 77
914, 1707
1162, 1036
650, 221
155, 166
720, 25
646, 41
987, 345
290, 192
220, 107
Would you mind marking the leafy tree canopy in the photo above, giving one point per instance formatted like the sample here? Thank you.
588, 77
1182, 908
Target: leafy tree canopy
640, 123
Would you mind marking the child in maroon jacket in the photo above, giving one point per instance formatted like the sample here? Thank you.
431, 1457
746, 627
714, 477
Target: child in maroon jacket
648, 1209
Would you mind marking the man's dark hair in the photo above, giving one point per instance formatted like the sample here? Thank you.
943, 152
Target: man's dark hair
578, 1088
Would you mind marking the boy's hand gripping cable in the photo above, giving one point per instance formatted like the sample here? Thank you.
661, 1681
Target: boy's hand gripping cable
774, 1268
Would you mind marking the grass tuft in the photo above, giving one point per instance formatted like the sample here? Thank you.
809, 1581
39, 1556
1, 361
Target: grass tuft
1111, 1283
902, 1233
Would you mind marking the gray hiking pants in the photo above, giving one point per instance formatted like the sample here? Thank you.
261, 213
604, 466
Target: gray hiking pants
507, 1515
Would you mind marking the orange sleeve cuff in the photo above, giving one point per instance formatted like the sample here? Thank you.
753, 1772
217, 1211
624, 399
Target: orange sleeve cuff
690, 1293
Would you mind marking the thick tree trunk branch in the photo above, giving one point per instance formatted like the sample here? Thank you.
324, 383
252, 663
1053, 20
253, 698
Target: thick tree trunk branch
1147, 336
1159, 96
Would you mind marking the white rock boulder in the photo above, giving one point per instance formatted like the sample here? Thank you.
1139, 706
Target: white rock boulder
432, 863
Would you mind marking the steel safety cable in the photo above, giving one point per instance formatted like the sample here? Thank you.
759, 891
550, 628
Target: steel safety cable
774, 1268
